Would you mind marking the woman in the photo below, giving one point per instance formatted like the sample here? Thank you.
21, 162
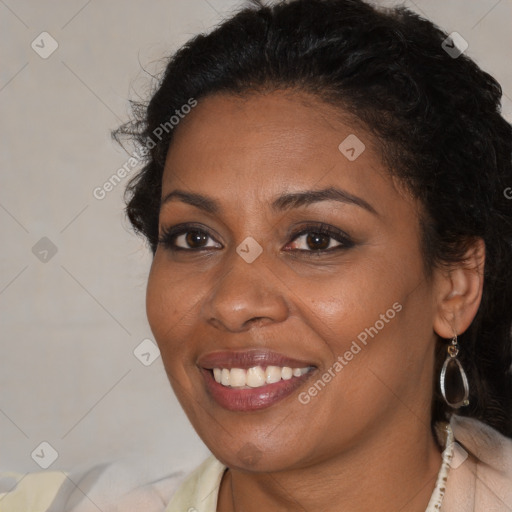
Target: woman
325, 198
329, 226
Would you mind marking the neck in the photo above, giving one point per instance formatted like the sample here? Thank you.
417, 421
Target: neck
394, 469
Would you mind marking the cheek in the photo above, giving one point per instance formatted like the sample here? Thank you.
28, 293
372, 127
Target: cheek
344, 302
367, 314
171, 302
171, 308
160, 306
387, 355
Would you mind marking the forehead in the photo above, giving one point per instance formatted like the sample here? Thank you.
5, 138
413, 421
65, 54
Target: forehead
273, 142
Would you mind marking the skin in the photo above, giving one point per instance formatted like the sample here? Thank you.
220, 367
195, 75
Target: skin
364, 442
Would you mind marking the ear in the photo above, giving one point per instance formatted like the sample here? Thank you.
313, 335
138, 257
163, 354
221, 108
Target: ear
458, 292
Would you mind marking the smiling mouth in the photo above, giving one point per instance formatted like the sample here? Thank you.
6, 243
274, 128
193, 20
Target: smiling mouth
253, 379
256, 376
244, 398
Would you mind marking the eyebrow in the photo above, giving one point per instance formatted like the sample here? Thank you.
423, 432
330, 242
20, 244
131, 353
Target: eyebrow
283, 202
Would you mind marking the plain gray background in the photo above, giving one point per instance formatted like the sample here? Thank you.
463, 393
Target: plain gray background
70, 321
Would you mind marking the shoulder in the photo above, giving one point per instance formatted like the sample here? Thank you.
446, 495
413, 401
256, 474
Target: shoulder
200, 489
480, 476
110, 487
29, 491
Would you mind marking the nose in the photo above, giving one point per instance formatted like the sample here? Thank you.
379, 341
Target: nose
244, 295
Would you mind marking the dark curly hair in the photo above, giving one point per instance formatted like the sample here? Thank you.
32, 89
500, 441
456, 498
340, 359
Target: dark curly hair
436, 118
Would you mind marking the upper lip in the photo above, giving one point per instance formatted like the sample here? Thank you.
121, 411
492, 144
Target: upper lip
247, 359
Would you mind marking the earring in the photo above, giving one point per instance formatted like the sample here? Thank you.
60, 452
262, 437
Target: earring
448, 374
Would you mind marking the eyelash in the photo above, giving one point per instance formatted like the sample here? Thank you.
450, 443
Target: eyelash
169, 235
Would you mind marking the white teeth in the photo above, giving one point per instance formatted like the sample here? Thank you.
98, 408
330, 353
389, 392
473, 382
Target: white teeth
287, 373
256, 376
237, 377
272, 374
225, 377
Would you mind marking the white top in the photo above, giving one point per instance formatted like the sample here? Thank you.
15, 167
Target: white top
475, 476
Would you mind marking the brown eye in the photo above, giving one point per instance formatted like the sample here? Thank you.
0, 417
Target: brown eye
187, 238
312, 241
196, 239
317, 241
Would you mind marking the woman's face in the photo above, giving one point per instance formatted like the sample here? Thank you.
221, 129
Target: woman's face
296, 252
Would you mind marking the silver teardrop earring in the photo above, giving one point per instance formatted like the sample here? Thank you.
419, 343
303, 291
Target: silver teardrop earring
451, 363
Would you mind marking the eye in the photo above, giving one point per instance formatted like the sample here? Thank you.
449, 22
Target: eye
316, 238
320, 238
187, 238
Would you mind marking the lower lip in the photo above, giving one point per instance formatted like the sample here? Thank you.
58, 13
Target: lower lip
244, 400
